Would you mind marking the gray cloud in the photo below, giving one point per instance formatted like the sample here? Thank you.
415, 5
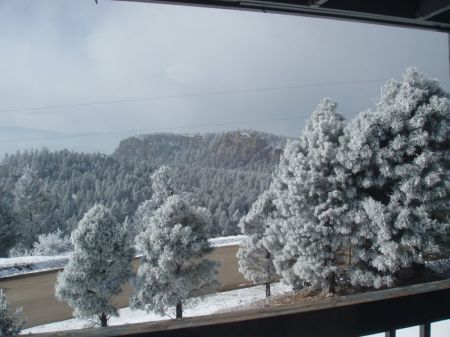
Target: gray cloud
63, 52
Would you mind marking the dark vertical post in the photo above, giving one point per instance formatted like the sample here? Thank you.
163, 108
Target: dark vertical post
269, 277
103, 320
390, 333
425, 330
179, 310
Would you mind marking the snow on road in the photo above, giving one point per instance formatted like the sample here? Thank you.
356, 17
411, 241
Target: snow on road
208, 305
32, 264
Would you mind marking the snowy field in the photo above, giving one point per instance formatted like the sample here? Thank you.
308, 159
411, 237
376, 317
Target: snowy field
226, 301
32, 264
208, 305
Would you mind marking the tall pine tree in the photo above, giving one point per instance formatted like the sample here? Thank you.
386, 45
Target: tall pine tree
255, 260
311, 202
99, 266
173, 266
397, 158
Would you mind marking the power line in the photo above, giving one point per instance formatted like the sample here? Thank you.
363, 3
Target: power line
199, 94
137, 131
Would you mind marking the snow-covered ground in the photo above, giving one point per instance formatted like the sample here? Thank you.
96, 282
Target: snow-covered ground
227, 241
208, 305
226, 301
32, 264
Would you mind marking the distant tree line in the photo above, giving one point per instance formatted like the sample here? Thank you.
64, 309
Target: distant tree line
44, 191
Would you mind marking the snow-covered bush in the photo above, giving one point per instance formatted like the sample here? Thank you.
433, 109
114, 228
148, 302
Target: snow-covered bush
52, 244
19, 250
255, 261
10, 323
398, 167
99, 266
173, 266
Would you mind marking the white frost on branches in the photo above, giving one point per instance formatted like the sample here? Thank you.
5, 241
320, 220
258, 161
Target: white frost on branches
10, 323
398, 159
99, 266
173, 266
312, 204
255, 261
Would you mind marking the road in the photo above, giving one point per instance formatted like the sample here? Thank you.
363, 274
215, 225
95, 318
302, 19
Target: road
35, 292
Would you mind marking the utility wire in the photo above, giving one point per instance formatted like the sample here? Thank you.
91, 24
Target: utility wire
199, 94
188, 126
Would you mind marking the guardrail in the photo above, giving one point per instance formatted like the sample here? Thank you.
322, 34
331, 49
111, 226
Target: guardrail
344, 316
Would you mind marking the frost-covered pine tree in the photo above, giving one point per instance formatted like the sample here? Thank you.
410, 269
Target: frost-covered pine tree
31, 206
311, 200
162, 186
99, 266
10, 323
398, 163
173, 266
255, 261
8, 230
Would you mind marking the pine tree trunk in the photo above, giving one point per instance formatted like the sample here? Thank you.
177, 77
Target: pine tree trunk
331, 278
267, 289
349, 263
269, 276
332, 283
103, 320
179, 310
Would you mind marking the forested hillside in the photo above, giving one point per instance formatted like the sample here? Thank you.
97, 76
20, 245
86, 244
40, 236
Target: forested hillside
44, 190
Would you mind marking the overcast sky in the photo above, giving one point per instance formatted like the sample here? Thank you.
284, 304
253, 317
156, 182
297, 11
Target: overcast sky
68, 52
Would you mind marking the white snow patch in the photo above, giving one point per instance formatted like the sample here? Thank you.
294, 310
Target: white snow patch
29, 264
32, 264
439, 266
227, 241
205, 306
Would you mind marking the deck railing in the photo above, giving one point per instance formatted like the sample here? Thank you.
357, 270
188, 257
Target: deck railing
344, 316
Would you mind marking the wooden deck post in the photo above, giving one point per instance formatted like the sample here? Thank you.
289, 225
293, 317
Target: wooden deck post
425, 330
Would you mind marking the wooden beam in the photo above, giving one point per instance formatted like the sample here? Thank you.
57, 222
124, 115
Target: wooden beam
429, 8
345, 316
361, 12
317, 3
425, 330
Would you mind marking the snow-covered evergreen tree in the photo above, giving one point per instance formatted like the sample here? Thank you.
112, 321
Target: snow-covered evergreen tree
31, 206
162, 186
10, 324
312, 204
398, 164
8, 230
99, 266
255, 261
173, 266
